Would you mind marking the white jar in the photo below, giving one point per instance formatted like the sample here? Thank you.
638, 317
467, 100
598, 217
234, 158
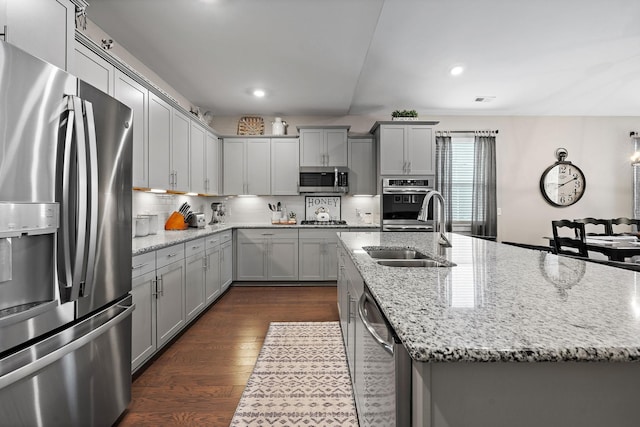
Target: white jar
142, 226
277, 127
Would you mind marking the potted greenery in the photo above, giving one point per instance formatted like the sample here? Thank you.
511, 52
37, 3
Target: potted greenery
404, 115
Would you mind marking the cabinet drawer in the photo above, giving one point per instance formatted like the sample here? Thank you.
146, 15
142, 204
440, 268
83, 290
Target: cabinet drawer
212, 241
168, 255
267, 233
143, 264
225, 236
321, 234
195, 246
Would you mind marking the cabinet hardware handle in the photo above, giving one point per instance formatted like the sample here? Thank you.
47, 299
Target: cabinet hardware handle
162, 286
155, 285
4, 33
135, 267
172, 255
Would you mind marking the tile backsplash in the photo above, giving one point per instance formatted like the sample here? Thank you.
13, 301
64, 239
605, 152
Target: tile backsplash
248, 209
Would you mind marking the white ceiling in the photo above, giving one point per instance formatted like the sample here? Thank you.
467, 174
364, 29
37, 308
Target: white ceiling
361, 57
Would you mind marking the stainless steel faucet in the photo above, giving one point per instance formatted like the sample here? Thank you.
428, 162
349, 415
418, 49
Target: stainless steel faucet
424, 213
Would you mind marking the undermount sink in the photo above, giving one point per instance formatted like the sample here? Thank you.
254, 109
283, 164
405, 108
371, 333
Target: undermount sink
404, 257
413, 263
396, 254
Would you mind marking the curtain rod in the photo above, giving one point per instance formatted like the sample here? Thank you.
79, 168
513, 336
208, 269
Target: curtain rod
467, 131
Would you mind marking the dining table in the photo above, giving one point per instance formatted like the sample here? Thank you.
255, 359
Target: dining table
615, 247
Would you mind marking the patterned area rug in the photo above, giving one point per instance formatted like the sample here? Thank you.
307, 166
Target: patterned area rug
301, 378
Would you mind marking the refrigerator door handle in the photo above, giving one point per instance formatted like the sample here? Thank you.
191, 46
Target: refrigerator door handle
92, 244
73, 227
59, 353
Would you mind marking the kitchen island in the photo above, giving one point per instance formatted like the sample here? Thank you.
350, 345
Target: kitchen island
509, 336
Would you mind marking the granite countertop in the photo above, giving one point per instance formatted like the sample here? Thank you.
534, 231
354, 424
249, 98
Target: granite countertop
502, 303
153, 242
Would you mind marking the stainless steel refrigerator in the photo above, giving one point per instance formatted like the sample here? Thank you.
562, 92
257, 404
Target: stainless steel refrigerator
65, 247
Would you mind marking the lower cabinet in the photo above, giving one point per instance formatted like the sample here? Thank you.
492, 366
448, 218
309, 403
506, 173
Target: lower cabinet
267, 254
196, 272
171, 286
318, 254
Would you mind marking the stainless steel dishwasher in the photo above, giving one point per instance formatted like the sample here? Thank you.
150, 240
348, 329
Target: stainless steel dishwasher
383, 372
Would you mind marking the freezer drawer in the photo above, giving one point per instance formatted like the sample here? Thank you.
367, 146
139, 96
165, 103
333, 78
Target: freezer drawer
79, 377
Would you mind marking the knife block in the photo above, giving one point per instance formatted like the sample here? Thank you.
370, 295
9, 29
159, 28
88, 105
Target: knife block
176, 222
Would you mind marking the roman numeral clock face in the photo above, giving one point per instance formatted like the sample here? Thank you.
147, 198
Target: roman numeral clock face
562, 184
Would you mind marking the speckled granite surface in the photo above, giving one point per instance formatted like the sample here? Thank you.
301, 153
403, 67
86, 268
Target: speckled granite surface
502, 303
140, 245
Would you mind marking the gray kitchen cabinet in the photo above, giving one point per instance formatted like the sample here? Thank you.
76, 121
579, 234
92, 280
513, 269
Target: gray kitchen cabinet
213, 266
180, 127
285, 170
247, 166
136, 96
195, 270
362, 167
170, 274
406, 149
143, 320
197, 159
323, 146
212, 164
160, 112
226, 263
318, 254
267, 254
93, 69
44, 28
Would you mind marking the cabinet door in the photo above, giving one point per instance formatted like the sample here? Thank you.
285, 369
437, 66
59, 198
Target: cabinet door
93, 69
312, 148
285, 156
135, 96
343, 290
170, 303
362, 167
226, 264
159, 143
194, 285
311, 265
330, 259
180, 151
421, 150
213, 286
251, 259
212, 164
143, 320
335, 141
392, 157
234, 165
197, 160
44, 28
258, 166
283, 259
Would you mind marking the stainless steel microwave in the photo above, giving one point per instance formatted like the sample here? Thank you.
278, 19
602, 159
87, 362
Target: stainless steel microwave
325, 179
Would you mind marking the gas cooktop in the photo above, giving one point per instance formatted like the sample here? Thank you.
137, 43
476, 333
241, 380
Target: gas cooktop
329, 222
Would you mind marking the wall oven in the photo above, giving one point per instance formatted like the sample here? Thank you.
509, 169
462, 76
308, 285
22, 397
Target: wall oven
401, 202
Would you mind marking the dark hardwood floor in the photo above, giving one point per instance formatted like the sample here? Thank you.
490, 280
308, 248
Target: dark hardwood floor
199, 379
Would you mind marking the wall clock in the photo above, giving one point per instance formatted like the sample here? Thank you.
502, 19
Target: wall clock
563, 183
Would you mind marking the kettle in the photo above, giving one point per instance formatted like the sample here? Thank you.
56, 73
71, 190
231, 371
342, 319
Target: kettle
322, 214
278, 127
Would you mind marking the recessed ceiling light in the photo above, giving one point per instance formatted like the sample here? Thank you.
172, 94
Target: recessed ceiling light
457, 70
259, 93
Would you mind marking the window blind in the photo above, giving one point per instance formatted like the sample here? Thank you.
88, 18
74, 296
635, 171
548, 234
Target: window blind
462, 159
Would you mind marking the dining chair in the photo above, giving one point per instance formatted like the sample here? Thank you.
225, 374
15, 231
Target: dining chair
630, 222
604, 226
565, 245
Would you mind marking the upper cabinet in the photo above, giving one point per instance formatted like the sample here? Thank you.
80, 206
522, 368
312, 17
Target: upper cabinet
212, 164
93, 69
362, 172
285, 172
180, 151
323, 146
136, 96
160, 174
247, 166
197, 162
405, 149
44, 28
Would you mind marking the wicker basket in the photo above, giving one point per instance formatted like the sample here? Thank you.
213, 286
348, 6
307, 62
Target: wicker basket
251, 126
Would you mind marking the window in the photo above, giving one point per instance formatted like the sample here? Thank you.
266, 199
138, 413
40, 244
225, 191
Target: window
462, 159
